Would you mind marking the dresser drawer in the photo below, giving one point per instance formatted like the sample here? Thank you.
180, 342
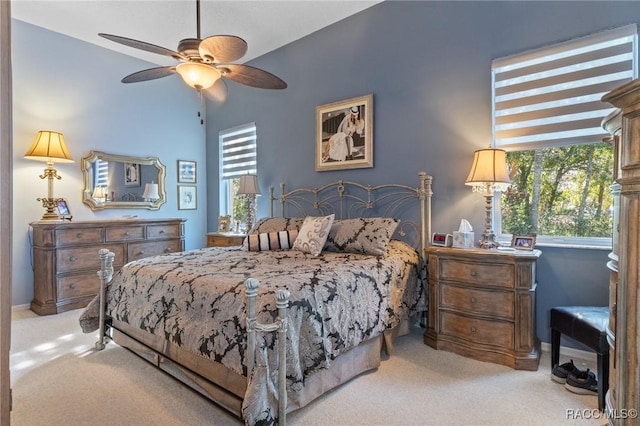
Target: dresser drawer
74, 259
496, 275
74, 286
141, 250
495, 303
65, 237
125, 233
485, 332
163, 231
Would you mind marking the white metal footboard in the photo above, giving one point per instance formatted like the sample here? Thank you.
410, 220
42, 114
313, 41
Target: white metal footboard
280, 325
105, 274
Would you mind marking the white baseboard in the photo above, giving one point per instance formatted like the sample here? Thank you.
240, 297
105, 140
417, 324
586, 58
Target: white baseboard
16, 308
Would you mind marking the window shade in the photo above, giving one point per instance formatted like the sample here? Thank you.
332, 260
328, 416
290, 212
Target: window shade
101, 173
238, 151
551, 96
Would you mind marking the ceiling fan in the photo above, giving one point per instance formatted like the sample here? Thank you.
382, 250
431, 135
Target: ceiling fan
202, 61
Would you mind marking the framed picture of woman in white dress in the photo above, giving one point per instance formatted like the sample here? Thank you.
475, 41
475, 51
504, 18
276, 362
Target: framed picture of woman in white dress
344, 134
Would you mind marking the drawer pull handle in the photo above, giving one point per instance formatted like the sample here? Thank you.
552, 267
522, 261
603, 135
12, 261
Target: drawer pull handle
78, 235
72, 259
126, 233
161, 232
474, 300
72, 286
474, 330
473, 273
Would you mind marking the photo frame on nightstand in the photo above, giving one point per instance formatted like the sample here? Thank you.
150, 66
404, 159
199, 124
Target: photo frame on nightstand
224, 223
523, 242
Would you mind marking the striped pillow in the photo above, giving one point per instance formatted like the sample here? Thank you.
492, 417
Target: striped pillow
282, 240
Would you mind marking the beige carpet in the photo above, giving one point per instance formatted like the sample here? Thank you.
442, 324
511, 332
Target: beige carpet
58, 379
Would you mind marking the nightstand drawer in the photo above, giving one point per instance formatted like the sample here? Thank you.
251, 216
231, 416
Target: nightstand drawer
485, 332
65, 237
140, 250
225, 240
125, 233
496, 275
487, 302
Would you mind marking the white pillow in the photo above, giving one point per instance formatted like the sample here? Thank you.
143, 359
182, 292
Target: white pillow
313, 234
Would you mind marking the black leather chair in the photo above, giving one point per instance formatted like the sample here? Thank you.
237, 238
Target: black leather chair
587, 325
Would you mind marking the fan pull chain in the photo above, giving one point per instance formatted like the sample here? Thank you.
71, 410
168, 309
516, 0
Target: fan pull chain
202, 106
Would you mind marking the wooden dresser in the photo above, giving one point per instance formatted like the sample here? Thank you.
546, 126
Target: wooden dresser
623, 333
482, 305
65, 255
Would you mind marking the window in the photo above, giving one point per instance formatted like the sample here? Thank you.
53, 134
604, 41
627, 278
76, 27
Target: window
547, 115
237, 158
101, 176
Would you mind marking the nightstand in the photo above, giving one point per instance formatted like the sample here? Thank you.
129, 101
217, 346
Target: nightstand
482, 305
224, 239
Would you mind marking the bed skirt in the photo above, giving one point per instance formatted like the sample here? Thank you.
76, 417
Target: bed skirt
227, 388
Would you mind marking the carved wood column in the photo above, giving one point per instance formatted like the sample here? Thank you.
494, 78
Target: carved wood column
627, 377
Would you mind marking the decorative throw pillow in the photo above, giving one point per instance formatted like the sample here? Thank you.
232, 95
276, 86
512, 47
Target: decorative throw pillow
313, 234
276, 224
282, 240
362, 235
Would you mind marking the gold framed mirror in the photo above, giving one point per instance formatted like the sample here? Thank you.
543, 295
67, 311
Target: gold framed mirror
114, 181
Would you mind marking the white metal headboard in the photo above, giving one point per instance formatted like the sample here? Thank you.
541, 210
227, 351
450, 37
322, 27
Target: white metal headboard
351, 199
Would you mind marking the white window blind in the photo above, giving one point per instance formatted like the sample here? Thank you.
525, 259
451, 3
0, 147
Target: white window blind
238, 151
551, 96
101, 173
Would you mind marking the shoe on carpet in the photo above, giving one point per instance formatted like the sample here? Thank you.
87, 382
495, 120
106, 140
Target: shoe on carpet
559, 373
582, 382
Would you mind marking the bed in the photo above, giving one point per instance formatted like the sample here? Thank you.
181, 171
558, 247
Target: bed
338, 304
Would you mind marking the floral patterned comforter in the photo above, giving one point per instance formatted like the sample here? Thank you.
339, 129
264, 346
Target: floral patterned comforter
196, 300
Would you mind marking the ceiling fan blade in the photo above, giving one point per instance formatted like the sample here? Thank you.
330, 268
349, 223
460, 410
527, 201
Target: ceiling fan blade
149, 74
143, 46
217, 92
250, 76
222, 48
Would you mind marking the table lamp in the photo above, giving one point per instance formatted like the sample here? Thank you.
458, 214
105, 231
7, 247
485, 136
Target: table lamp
49, 146
489, 174
249, 188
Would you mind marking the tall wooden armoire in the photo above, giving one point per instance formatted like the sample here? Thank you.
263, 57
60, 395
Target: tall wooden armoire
624, 264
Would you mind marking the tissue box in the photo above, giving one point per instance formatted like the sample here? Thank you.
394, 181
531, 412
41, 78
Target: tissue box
463, 239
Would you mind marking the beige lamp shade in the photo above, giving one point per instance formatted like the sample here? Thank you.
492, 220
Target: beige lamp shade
151, 191
249, 185
99, 193
197, 75
489, 167
49, 146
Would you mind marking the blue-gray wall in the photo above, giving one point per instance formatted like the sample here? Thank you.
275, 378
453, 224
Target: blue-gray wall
62, 84
427, 65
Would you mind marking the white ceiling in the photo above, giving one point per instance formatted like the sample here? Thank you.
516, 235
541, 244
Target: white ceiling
265, 25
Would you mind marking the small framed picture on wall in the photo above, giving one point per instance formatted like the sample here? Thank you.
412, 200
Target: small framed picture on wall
187, 197
186, 171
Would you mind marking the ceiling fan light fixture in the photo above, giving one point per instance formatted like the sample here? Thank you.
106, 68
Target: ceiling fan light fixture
197, 75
